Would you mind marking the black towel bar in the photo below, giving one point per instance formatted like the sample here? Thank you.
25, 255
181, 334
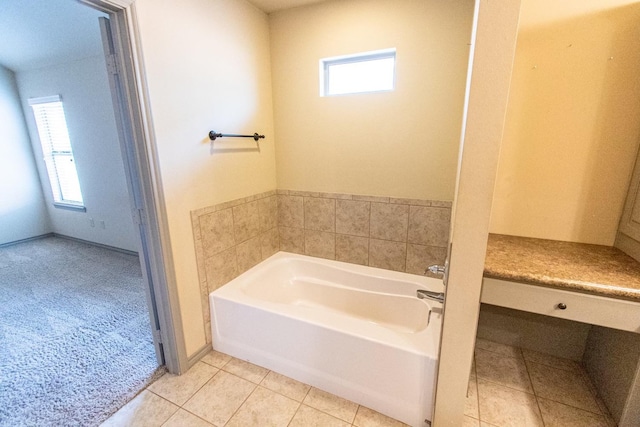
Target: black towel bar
213, 135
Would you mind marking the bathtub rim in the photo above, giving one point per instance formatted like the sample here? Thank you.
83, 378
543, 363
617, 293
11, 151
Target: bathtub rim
429, 283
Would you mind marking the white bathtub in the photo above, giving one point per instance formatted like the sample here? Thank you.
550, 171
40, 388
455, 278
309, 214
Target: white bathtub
357, 332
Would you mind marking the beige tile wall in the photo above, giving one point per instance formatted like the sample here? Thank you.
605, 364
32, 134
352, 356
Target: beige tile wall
395, 234
230, 238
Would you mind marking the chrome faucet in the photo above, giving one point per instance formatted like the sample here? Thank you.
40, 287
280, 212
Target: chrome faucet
435, 269
439, 270
435, 296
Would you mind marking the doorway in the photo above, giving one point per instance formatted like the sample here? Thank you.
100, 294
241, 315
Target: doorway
138, 198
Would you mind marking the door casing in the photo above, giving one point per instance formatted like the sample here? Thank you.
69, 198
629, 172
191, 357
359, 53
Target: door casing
141, 167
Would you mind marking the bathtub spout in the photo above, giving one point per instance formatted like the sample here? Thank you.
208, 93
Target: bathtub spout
435, 296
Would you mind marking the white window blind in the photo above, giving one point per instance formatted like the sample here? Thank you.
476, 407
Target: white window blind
56, 147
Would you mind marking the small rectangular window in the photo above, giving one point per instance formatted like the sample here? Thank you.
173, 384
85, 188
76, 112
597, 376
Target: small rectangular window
358, 73
56, 147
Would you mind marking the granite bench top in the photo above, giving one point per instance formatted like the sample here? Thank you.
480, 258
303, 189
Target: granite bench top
594, 269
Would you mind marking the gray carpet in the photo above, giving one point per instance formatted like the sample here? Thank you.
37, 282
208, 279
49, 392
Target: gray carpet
75, 341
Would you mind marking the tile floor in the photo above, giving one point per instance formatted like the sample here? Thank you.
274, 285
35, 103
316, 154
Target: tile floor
509, 387
224, 391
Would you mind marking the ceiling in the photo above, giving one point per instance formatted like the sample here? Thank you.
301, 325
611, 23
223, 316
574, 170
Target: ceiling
269, 6
42, 33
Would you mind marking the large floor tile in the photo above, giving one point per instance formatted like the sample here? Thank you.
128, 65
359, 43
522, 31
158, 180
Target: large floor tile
504, 406
265, 408
470, 422
331, 404
557, 414
145, 410
504, 370
549, 360
217, 359
494, 347
246, 370
219, 398
179, 388
310, 417
285, 386
183, 418
471, 403
605, 411
366, 417
562, 386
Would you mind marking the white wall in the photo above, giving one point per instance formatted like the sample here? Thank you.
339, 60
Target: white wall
546, 334
402, 143
22, 210
611, 359
573, 121
207, 67
86, 96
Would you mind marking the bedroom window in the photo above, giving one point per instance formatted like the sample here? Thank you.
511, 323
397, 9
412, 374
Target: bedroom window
56, 147
358, 73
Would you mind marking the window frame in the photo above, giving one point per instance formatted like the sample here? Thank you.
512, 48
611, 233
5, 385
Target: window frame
50, 156
326, 63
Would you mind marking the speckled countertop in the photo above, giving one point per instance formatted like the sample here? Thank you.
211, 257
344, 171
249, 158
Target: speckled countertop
595, 269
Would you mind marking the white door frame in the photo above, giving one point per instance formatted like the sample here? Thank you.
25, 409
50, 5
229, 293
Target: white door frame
491, 64
142, 161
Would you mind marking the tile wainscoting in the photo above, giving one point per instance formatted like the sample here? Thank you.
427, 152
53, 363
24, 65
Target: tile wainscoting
384, 232
230, 238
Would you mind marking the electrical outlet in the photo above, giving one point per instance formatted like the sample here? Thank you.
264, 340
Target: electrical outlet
92, 223
102, 225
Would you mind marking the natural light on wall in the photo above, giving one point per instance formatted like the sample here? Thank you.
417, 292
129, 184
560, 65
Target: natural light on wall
56, 148
358, 73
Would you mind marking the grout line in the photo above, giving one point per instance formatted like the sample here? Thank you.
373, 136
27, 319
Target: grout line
274, 391
236, 375
581, 376
243, 402
256, 385
202, 386
406, 237
157, 395
571, 406
505, 386
326, 413
353, 422
195, 415
526, 367
294, 414
304, 215
334, 216
475, 371
502, 354
307, 393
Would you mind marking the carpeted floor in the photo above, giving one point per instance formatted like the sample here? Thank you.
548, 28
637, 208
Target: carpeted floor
75, 340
